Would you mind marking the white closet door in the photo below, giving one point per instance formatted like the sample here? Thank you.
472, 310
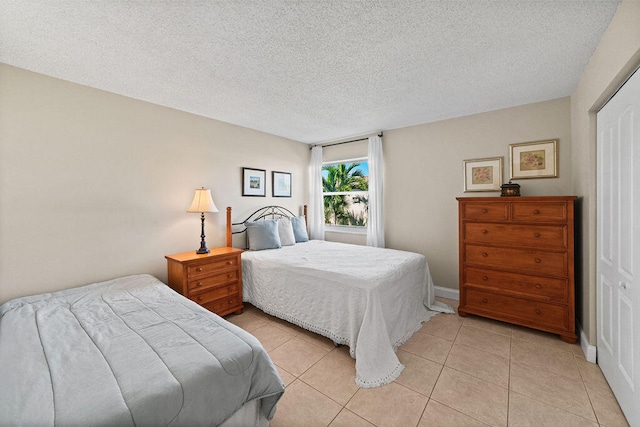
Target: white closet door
618, 247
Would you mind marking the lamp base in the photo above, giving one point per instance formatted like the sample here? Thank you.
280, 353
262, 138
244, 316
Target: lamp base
202, 250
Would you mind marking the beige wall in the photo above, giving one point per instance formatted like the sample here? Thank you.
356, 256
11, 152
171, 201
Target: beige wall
95, 185
424, 174
616, 56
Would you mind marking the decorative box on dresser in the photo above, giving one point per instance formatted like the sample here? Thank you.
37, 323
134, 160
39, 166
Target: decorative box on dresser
517, 261
213, 280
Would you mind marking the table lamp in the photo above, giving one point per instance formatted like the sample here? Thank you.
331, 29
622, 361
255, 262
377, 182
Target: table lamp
202, 202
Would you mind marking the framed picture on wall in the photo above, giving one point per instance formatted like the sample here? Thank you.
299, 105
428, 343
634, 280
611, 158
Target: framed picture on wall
254, 182
483, 174
537, 159
281, 185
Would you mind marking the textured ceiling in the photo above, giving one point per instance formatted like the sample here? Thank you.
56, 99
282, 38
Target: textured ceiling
312, 71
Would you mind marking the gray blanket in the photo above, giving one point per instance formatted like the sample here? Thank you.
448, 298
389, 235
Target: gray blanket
129, 351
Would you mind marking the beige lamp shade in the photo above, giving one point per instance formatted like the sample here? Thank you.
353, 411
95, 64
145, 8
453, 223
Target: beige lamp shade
202, 202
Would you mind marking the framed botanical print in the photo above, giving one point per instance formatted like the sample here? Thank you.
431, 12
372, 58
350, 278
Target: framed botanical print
281, 185
483, 174
537, 159
254, 182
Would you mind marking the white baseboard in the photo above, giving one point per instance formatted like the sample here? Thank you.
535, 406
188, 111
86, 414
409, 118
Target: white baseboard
448, 293
590, 351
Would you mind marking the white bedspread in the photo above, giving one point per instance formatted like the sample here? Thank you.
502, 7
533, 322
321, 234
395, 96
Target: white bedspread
127, 352
370, 299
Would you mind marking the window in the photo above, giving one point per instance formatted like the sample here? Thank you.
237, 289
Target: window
346, 193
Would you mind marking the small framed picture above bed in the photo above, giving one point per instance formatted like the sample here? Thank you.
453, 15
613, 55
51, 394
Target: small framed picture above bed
281, 185
483, 174
254, 182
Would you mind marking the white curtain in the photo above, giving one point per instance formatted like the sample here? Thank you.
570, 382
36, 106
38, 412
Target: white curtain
316, 204
375, 229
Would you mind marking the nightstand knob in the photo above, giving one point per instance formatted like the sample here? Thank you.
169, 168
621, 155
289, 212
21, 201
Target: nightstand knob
229, 262
484, 231
538, 311
538, 260
536, 234
199, 269
485, 278
538, 286
484, 300
484, 254
200, 298
536, 212
199, 284
484, 211
230, 276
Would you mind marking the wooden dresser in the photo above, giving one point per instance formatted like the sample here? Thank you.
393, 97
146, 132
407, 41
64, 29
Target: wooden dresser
517, 261
213, 280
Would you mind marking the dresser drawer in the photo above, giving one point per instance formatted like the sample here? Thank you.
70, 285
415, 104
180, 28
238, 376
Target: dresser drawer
211, 267
535, 236
487, 212
533, 261
215, 294
544, 287
224, 306
543, 212
528, 312
212, 281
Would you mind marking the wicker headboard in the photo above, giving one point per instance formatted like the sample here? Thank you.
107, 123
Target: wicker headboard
267, 212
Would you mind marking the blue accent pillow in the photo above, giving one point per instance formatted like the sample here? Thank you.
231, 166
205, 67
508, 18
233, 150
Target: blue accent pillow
263, 235
300, 228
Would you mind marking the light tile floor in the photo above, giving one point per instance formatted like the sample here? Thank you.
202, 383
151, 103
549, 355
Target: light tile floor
458, 372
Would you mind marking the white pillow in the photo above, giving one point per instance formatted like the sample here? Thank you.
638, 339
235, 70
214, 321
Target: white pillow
285, 231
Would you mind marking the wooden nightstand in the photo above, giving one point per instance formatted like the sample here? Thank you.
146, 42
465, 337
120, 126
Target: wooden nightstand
213, 280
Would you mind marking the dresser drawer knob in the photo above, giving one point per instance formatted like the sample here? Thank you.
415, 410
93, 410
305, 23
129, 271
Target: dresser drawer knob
230, 276
538, 260
538, 311
230, 302
536, 212
485, 210
485, 278
484, 254
229, 262
485, 231
199, 284
538, 286
536, 234
200, 298
199, 269
484, 300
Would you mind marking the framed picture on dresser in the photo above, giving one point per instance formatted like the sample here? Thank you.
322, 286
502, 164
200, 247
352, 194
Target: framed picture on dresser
483, 174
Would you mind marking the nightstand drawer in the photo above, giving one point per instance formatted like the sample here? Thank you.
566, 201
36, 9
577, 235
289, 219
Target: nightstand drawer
224, 306
215, 294
539, 212
544, 287
212, 281
482, 211
534, 236
535, 261
212, 267
540, 313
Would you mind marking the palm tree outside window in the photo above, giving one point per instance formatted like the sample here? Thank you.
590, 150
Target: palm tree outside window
345, 193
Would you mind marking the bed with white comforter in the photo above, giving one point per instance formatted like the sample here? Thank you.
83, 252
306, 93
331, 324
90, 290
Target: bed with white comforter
127, 352
371, 299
